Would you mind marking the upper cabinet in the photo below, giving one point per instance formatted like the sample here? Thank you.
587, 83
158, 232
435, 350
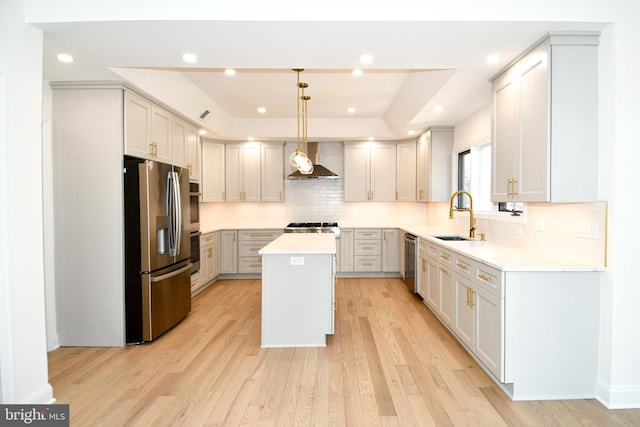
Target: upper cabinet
545, 123
272, 172
433, 173
406, 171
369, 172
249, 172
153, 133
242, 176
213, 172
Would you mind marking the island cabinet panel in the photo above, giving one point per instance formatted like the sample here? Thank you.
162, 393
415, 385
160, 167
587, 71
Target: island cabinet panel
346, 250
298, 290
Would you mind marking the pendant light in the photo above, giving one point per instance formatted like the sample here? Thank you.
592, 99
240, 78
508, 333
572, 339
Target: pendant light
298, 158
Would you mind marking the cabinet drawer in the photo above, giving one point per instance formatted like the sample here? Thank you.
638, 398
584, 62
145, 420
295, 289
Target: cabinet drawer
207, 239
464, 266
367, 247
445, 257
433, 250
251, 247
250, 264
490, 279
423, 247
367, 233
259, 234
367, 263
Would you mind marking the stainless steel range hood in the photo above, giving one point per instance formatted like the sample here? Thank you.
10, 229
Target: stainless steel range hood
319, 171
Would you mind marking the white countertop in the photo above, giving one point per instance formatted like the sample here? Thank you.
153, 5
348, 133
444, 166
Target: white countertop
301, 243
504, 257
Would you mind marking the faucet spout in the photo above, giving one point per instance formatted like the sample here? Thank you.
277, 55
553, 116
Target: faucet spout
472, 220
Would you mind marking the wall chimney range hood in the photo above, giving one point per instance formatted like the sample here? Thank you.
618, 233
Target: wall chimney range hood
319, 171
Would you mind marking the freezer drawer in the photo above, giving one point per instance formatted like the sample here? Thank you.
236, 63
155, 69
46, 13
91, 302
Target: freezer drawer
166, 300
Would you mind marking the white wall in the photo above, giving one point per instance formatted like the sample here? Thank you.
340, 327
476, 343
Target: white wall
22, 318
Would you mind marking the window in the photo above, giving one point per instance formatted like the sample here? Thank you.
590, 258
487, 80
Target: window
474, 175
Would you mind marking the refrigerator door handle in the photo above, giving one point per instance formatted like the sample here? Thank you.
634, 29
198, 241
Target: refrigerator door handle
174, 212
173, 273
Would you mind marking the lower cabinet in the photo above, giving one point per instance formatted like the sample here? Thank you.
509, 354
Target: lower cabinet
249, 243
440, 287
422, 269
345, 262
228, 252
367, 249
209, 257
390, 250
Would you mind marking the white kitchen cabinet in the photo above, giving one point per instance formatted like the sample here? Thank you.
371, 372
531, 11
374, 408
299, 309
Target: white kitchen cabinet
406, 171
228, 252
193, 152
421, 270
447, 291
433, 171
272, 172
179, 142
249, 243
242, 172
367, 249
346, 250
390, 250
209, 257
545, 123
369, 172
213, 171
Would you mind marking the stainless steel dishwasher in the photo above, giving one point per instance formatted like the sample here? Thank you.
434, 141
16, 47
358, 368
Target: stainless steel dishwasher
410, 261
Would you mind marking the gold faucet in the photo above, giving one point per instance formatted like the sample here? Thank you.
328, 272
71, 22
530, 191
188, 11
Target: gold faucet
472, 220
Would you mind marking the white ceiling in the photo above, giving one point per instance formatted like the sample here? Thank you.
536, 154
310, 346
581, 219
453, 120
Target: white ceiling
417, 66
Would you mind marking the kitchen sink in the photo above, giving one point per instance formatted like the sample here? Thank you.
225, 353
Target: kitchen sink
451, 237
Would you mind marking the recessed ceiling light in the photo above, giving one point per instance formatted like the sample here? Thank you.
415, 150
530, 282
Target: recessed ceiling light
250, 138
493, 59
437, 109
65, 57
262, 110
366, 59
202, 132
371, 138
357, 72
230, 72
411, 132
190, 58
351, 110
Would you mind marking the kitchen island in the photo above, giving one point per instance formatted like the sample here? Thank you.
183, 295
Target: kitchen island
298, 285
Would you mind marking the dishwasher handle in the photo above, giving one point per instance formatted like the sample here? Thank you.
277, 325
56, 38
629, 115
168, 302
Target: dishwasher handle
410, 238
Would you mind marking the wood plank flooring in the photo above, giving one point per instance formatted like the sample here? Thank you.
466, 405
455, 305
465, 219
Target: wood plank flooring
390, 363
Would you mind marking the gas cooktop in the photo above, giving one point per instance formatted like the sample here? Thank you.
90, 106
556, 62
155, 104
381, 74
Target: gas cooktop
313, 227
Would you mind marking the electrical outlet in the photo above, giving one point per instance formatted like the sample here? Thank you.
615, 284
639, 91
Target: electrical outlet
587, 230
297, 260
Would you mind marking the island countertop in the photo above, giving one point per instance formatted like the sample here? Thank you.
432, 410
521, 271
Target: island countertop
301, 243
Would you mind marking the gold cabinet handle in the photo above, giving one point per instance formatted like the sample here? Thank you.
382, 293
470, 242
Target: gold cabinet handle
468, 296
209, 252
485, 278
444, 270
260, 235
420, 194
424, 265
445, 257
462, 266
190, 167
470, 293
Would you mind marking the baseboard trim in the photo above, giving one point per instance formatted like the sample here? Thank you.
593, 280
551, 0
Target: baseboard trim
627, 397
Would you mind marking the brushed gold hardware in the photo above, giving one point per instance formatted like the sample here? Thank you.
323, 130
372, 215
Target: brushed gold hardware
445, 257
462, 266
224, 195
515, 187
444, 270
190, 167
151, 148
424, 265
421, 194
485, 278
255, 265
471, 292
483, 237
468, 296
255, 249
260, 235
209, 252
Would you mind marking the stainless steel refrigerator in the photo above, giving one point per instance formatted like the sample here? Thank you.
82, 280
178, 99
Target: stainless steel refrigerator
157, 248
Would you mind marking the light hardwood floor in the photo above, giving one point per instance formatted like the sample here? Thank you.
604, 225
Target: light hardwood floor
390, 363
